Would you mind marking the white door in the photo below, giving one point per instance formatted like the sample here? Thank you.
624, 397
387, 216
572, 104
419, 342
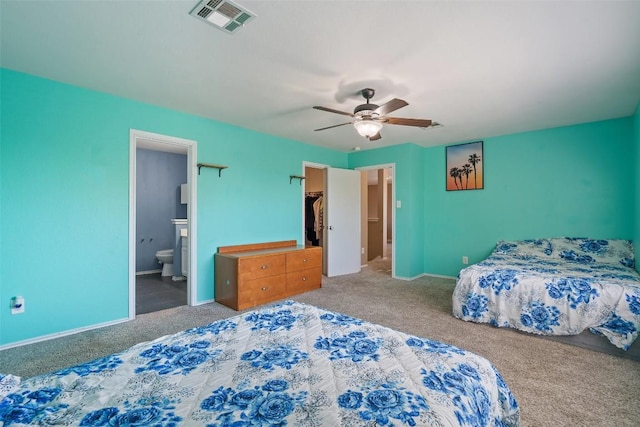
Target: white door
342, 222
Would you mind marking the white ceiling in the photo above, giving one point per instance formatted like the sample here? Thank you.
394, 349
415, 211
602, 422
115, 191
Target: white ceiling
480, 68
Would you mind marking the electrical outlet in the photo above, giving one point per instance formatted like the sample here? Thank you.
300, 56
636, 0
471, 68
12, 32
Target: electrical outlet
362, 251
17, 305
465, 260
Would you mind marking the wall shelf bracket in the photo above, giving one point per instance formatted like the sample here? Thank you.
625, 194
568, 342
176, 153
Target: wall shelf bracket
211, 165
292, 177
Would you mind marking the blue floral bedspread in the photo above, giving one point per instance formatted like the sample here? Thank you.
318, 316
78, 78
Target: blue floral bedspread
559, 286
289, 364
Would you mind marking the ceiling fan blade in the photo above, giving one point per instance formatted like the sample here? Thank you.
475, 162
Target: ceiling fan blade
390, 106
421, 123
334, 126
331, 110
375, 137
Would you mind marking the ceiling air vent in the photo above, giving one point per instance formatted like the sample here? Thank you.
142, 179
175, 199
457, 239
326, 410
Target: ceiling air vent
222, 14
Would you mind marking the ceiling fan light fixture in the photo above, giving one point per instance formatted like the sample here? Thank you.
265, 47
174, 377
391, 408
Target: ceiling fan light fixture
368, 118
367, 127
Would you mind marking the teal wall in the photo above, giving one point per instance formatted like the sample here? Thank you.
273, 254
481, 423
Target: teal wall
64, 176
636, 144
64, 197
569, 181
409, 178
253, 201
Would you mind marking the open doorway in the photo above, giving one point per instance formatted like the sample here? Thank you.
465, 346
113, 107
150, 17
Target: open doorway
161, 167
161, 215
379, 218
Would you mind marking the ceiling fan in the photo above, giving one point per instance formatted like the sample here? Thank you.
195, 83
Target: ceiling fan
368, 118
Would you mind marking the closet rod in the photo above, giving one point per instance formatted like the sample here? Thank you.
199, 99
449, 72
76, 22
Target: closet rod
292, 177
211, 165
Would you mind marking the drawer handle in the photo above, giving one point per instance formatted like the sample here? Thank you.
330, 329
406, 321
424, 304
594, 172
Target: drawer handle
304, 260
264, 288
264, 267
304, 279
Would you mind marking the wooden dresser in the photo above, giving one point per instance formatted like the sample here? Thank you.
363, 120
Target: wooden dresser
254, 274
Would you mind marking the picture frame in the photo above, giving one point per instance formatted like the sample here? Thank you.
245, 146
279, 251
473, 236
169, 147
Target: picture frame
465, 166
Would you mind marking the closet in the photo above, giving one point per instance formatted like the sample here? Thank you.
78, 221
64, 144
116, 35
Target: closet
313, 206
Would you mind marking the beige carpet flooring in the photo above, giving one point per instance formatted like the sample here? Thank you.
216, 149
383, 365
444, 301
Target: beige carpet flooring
556, 384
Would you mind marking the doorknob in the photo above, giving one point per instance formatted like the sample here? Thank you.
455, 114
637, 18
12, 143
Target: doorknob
331, 227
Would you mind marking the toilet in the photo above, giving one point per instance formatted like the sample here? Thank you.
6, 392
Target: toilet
165, 257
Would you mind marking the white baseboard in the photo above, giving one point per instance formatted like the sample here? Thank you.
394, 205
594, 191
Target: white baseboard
439, 275
141, 273
61, 334
409, 278
423, 275
204, 302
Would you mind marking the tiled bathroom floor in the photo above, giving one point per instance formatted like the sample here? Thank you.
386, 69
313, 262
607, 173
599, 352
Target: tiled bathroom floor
154, 293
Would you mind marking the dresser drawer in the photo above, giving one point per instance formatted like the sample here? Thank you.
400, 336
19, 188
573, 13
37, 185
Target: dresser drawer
258, 273
301, 260
256, 267
303, 280
258, 291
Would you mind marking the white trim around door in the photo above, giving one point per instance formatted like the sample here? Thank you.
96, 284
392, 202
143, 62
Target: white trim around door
153, 141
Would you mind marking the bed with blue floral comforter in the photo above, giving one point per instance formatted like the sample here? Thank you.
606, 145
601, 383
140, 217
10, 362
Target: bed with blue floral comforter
558, 286
290, 364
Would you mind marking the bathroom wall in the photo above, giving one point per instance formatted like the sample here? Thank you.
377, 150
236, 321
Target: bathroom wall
158, 179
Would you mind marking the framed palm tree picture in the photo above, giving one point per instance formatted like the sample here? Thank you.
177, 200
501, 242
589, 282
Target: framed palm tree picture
465, 167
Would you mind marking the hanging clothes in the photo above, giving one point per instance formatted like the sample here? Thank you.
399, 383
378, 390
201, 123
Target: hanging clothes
310, 219
319, 220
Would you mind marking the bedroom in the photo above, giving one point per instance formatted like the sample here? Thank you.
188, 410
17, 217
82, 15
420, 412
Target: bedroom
65, 190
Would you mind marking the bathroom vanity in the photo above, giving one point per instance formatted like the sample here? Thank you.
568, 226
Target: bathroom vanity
184, 252
255, 274
180, 249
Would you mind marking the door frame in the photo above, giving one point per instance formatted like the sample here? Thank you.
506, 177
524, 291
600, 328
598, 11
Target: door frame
391, 166
303, 239
306, 165
160, 142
